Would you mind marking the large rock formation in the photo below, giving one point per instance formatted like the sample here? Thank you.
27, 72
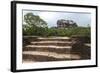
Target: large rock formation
62, 23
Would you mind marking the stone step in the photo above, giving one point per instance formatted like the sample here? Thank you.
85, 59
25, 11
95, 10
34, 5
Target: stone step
47, 56
54, 39
50, 48
56, 43
46, 38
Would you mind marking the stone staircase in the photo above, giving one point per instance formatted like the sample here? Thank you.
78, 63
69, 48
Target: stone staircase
49, 49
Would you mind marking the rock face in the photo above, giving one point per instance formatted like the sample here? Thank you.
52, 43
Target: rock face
62, 23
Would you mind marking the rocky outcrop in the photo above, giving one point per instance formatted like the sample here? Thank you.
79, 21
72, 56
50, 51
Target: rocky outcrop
62, 23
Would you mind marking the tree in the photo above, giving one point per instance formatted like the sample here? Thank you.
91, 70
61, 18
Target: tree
34, 20
32, 24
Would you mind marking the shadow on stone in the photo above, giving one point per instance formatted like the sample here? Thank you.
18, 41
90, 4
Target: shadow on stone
39, 58
80, 48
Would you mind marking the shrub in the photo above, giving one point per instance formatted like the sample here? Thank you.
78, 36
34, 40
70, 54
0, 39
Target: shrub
39, 31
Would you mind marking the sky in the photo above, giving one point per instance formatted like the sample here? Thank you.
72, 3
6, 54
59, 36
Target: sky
51, 17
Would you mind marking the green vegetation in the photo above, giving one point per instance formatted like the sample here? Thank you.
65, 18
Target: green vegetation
34, 20
35, 26
82, 31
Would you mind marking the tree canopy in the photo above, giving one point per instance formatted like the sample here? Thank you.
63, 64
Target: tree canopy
34, 20
32, 24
